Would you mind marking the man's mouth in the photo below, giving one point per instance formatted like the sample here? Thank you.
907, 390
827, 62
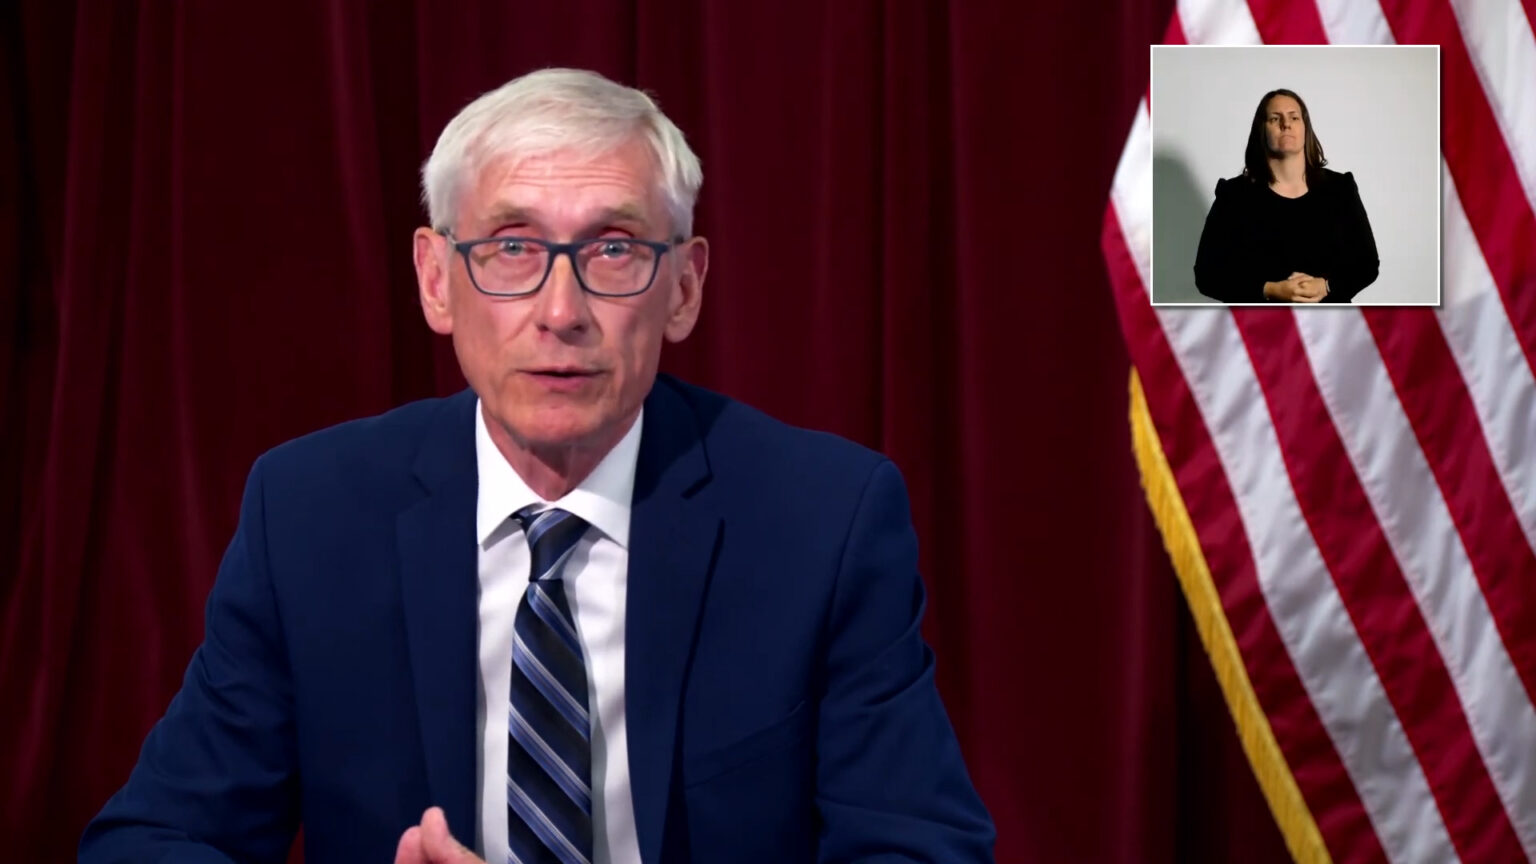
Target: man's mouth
562, 373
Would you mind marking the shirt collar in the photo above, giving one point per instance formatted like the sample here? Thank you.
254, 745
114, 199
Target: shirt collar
602, 499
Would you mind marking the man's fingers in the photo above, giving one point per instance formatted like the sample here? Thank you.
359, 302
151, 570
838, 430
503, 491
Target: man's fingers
433, 821
409, 851
438, 842
434, 828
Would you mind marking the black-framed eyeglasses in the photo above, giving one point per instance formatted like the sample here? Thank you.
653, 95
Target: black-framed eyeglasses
518, 266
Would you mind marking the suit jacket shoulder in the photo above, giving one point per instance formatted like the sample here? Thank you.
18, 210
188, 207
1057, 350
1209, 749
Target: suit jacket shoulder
373, 457
749, 447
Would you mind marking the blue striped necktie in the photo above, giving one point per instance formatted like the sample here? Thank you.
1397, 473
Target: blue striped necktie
549, 754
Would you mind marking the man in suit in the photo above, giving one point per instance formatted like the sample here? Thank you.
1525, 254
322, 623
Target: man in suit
579, 612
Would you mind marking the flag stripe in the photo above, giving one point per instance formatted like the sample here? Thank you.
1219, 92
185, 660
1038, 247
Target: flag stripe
1503, 53
1444, 422
1503, 392
1217, 22
1498, 55
1309, 613
1285, 22
1278, 785
1174, 35
1495, 374
1485, 176
1374, 591
1413, 515
1308, 750
1502, 389
1131, 195
1354, 22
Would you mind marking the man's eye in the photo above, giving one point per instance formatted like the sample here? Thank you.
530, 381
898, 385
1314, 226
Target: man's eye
613, 248
512, 247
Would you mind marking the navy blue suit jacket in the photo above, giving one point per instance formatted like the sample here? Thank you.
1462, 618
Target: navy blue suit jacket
779, 697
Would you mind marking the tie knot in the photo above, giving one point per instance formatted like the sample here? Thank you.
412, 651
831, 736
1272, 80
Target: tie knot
552, 534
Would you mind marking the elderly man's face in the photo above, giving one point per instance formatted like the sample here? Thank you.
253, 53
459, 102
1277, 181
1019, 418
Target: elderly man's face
562, 368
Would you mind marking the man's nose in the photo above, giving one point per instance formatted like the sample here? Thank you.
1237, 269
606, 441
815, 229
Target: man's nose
563, 305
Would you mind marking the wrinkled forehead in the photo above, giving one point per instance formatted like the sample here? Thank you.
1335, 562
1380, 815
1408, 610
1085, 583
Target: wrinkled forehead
561, 188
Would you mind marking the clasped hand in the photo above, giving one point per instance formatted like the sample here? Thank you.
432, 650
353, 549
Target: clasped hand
1298, 288
431, 843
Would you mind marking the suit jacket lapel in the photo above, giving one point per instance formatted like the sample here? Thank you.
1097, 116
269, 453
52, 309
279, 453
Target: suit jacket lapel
439, 583
674, 533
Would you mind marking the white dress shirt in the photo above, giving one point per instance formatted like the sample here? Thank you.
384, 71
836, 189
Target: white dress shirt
595, 577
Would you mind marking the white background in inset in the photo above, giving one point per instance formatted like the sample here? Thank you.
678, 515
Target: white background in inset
1375, 109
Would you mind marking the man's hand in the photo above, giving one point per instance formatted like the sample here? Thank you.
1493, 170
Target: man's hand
430, 843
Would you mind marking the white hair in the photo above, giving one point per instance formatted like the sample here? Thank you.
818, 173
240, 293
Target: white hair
558, 110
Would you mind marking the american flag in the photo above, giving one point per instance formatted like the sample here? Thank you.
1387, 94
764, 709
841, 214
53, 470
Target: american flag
1356, 533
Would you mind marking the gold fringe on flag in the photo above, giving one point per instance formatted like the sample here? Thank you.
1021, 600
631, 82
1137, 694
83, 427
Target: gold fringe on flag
1274, 775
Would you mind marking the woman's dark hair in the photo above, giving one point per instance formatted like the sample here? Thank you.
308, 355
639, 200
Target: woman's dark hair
1256, 157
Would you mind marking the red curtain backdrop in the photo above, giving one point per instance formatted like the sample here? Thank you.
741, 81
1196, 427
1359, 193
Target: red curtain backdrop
205, 227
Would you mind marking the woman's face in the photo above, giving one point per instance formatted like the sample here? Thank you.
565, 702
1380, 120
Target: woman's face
1284, 131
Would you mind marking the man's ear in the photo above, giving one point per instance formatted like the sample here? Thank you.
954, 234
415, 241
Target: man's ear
433, 259
684, 312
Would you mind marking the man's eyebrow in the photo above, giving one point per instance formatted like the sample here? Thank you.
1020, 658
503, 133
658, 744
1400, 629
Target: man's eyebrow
503, 214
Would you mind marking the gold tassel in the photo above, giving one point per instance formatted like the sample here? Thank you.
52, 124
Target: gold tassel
1274, 775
